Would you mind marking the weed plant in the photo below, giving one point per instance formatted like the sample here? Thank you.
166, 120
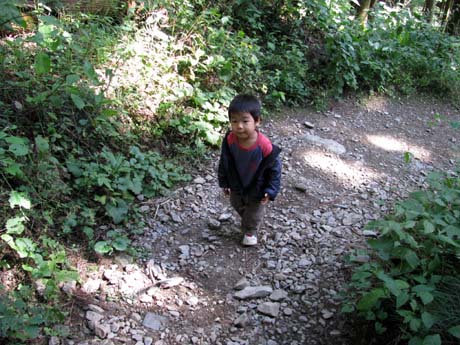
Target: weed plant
412, 277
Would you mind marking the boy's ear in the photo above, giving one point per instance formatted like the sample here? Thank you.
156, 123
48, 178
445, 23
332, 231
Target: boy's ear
259, 120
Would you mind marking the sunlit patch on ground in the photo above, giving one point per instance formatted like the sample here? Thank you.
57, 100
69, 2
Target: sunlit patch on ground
376, 103
350, 174
389, 143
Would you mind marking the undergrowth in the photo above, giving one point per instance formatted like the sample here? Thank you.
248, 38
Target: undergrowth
411, 282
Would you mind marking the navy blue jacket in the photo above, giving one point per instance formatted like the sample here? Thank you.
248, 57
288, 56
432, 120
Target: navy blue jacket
267, 178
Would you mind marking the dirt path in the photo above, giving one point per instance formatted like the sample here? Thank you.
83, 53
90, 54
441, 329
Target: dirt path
341, 168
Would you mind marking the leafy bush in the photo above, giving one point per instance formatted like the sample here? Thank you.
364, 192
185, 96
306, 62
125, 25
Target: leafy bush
414, 265
23, 318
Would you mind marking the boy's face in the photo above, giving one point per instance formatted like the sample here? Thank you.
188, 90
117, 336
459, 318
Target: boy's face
243, 125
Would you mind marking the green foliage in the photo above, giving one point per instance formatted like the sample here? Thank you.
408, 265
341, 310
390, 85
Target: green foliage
10, 14
22, 318
395, 51
412, 278
68, 164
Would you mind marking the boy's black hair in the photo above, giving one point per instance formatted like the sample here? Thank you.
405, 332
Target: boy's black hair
245, 104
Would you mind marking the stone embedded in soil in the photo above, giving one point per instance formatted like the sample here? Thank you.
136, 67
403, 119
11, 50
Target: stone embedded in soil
213, 224
241, 321
91, 285
253, 292
309, 125
241, 284
278, 295
154, 321
171, 282
269, 308
102, 331
225, 217
328, 144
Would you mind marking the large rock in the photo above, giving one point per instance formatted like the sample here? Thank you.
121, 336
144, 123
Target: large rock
269, 308
154, 321
328, 144
254, 292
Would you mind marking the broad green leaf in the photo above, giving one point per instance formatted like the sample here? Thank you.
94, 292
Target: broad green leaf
434, 339
30, 332
74, 168
415, 341
19, 149
14, 169
412, 258
100, 198
379, 328
121, 243
41, 144
102, 180
65, 276
370, 299
15, 225
19, 199
16, 140
212, 137
455, 331
25, 247
102, 247
452, 231
422, 288
348, 308
89, 232
18, 146
42, 63
90, 72
402, 299
402, 284
72, 79
8, 239
448, 240
426, 297
428, 319
414, 324
109, 112
118, 212
79, 103
136, 185
428, 227
389, 283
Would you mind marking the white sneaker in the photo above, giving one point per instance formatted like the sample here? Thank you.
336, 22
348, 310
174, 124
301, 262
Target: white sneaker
249, 240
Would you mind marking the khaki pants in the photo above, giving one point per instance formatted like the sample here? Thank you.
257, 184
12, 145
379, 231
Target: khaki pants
250, 211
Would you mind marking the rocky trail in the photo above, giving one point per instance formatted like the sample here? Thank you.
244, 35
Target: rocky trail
196, 284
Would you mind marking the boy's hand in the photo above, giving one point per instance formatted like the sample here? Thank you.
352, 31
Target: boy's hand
265, 199
227, 191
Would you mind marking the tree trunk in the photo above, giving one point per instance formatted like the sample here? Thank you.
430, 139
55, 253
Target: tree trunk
453, 21
428, 9
446, 9
363, 10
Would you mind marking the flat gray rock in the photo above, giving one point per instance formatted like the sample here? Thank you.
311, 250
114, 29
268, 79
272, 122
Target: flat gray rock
269, 308
328, 144
154, 321
254, 292
278, 295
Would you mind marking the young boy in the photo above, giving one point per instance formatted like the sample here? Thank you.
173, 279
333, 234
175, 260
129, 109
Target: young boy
249, 166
